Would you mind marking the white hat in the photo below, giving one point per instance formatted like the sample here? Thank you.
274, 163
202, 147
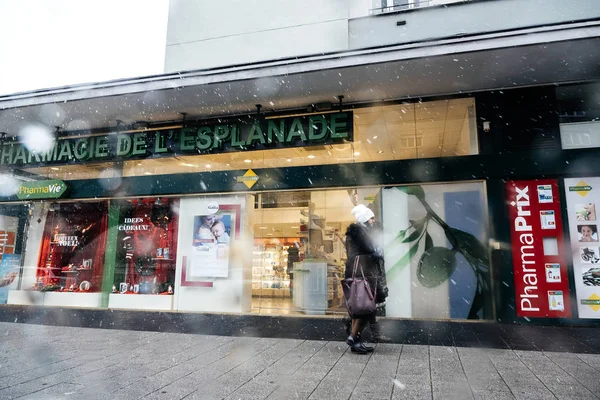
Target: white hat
362, 213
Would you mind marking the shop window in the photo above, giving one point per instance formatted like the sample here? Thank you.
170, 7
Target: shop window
299, 256
10, 257
434, 244
73, 246
436, 254
579, 115
146, 248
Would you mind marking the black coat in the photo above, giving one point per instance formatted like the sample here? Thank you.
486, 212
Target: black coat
360, 243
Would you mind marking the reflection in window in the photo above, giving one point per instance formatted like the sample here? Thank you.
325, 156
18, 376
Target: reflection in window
403, 131
579, 115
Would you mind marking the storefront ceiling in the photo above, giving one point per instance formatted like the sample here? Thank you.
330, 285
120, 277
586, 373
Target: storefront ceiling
506, 60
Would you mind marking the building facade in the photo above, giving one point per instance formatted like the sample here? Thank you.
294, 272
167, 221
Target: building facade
226, 184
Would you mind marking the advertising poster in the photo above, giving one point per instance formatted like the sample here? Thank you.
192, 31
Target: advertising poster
211, 246
537, 243
583, 194
9, 272
436, 254
553, 273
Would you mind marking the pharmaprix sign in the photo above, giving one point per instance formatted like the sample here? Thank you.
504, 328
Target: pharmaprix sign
203, 139
537, 242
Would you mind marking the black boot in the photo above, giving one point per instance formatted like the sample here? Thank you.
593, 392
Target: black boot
356, 346
365, 345
376, 334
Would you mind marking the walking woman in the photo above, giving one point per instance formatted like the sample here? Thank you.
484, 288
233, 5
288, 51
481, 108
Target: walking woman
359, 243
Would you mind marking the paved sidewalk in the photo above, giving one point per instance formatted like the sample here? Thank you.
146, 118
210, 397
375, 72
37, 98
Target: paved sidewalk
53, 362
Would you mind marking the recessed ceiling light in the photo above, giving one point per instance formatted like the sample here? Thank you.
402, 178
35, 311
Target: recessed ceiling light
375, 137
187, 164
54, 169
380, 151
247, 161
147, 173
357, 153
269, 234
262, 227
139, 163
310, 156
294, 227
289, 160
208, 165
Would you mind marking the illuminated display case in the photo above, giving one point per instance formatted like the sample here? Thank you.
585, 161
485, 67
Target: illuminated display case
146, 247
73, 246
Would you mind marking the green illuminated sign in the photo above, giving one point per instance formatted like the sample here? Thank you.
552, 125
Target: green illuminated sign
52, 189
239, 135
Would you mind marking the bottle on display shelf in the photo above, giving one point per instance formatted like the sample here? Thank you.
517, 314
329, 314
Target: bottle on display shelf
170, 289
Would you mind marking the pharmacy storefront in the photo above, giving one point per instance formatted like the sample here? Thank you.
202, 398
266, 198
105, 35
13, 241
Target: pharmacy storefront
247, 215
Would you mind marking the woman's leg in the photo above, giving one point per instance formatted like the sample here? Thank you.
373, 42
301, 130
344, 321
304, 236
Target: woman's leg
354, 329
358, 325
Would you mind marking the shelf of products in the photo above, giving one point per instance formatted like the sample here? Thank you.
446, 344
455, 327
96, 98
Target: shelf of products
269, 270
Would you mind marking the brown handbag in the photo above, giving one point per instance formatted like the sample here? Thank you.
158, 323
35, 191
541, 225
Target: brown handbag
358, 294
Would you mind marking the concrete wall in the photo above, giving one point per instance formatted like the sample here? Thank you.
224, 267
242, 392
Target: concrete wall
207, 33
465, 18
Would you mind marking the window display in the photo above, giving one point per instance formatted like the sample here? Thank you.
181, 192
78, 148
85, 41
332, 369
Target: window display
71, 257
146, 247
10, 260
582, 195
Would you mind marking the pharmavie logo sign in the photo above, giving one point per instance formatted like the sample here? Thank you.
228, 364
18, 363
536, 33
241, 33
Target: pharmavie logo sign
52, 189
242, 134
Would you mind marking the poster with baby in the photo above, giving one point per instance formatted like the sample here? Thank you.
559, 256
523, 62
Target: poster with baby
211, 245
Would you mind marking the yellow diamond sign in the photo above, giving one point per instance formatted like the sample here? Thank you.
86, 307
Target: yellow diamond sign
593, 301
249, 178
581, 188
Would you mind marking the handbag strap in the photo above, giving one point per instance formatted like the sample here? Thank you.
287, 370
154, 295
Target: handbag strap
362, 272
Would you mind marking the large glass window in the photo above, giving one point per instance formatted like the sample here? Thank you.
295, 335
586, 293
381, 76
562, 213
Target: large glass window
436, 252
299, 256
146, 247
429, 129
72, 248
435, 249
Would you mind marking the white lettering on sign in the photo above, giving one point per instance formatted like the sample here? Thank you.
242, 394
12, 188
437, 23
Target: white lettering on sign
67, 241
130, 225
522, 224
54, 188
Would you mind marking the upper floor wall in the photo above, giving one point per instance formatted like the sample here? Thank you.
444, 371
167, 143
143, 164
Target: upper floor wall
207, 34
464, 18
